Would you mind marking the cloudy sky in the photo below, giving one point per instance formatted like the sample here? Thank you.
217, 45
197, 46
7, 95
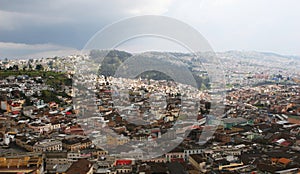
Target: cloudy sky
36, 28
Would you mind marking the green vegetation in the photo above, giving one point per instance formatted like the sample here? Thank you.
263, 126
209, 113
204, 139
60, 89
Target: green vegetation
202, 82
57, 81
53, 79
113, 59
30, 73
49, 96
155, 75
294, 116
229, 85
39, 67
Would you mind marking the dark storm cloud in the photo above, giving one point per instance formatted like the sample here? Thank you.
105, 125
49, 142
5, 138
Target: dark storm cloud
67, 22
44, 28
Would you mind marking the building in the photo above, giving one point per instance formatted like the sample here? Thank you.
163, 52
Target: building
47, 145
175, 155
198, 162
81, 166
55, 160
22, 164
230, 122
189, 152
26, 142
111, 140
76, 143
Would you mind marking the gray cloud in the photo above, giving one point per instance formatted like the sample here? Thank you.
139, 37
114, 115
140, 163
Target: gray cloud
266, 25
227, 24
25, 51
68, 22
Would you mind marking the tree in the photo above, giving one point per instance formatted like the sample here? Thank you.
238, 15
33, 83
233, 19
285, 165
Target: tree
39, 67
49, 96
16, 67
30, 66
50, 64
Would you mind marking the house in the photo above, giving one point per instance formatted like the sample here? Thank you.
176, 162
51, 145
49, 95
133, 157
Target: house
26, 142
40, 127
124, 169
22, 164
76, 143
198, 162
95, 152
112, 140
159, 159
189, 152
47, 145
175, 155
55, 161
284, 161
150, 167
225, 138
82, 166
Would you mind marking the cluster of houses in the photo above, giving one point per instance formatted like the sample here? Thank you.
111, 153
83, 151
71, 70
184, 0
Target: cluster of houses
257, 132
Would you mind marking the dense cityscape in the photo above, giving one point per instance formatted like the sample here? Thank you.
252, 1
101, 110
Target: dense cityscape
41, 128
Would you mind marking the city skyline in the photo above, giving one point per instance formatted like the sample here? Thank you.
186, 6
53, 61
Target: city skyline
148, 87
